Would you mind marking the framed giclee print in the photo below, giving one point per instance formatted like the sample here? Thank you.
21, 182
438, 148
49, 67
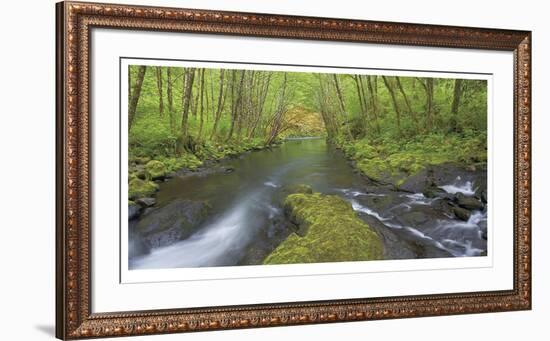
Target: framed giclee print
222, 170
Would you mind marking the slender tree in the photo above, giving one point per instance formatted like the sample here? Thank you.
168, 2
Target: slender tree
170, 99
159, 87
342, 104
374, 100
201, 104
186, 98
282, 107
135, 93
219, 108
236, 97
389, 86
408, 104
457, 93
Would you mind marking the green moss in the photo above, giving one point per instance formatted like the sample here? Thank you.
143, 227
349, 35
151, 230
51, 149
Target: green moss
188, 161
392, 161
329, 231
298, 188
138, 188
155, 170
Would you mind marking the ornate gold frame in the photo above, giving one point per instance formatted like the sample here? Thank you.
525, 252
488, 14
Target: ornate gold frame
74, 23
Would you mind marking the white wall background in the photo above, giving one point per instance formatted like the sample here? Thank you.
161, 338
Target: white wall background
27, 86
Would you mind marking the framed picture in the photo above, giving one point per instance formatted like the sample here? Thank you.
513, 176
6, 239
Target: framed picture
221, 170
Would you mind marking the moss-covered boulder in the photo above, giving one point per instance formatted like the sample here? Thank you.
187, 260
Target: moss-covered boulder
138, 188
155, 170
328, 231
298, 188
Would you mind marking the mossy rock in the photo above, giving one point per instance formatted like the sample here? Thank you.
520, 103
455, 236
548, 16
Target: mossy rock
155, 170
140, 160
138, 188
331, 232
298, 188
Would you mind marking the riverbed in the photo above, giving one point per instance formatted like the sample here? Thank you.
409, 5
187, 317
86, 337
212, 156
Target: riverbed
246, 220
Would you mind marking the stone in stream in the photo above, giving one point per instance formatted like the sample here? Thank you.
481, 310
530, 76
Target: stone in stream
133, 210
468, 202
483, 228
173, 222
435, 192
297, 188
146, 202
461, 213
482, 195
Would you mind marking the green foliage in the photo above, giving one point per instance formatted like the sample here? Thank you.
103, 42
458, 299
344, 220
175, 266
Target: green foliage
332, 232
389, 137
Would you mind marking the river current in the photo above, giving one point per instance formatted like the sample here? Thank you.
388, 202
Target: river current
246, 220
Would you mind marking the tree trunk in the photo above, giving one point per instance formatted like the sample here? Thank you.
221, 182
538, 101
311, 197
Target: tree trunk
408, 104
429, 102
427, 84
236, 102
263, 91
201, 113
457, 93
342, 104
374, 104
159, 87
186, 99
135, 94
170, 98
221, 100
280, 112
394, 102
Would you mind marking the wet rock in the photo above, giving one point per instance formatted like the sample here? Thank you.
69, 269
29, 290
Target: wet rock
434, 192
297, 188
173, 222
414, 218
461, 213
379, 203
228, 170
133, 210
146, 202
468, 202
147, 210
483, 228
481, 194
136, 247
418, 182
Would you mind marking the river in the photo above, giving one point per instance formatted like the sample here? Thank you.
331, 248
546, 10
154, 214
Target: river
246, 221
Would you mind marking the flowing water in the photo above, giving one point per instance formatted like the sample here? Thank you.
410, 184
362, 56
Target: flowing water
246, 221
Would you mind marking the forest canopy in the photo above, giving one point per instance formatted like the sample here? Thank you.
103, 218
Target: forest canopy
185, 115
